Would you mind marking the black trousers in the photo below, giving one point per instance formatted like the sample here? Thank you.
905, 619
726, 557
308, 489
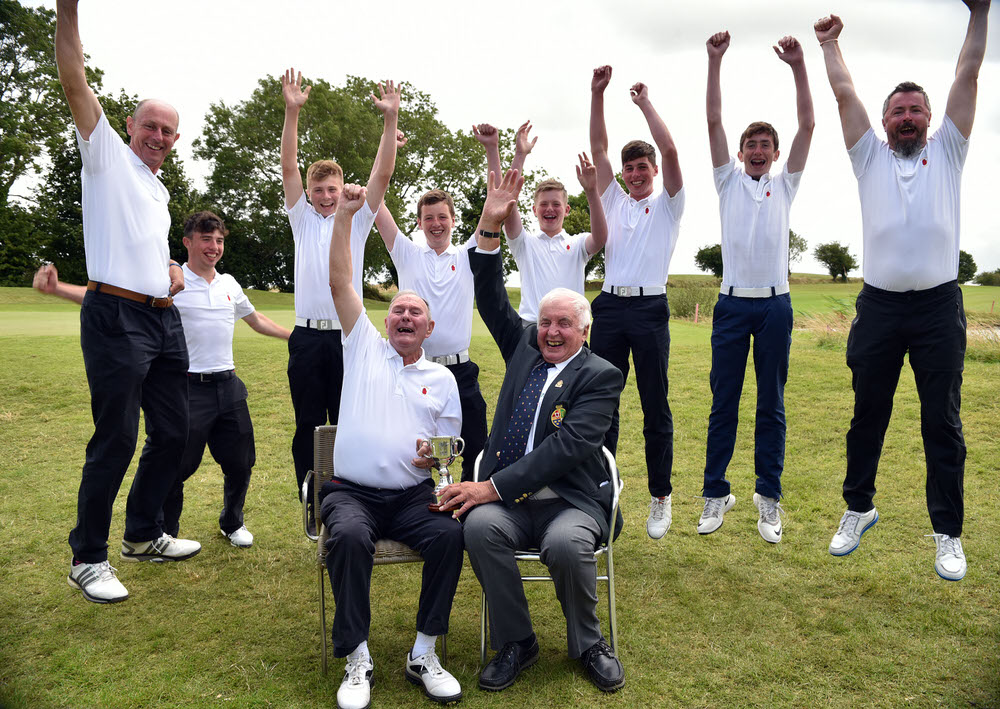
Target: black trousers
473, 414
135, 356
315, 377
639, 325
930, 326
221, 419
356, 518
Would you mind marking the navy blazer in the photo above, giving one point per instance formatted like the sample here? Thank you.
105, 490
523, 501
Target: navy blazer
573, 418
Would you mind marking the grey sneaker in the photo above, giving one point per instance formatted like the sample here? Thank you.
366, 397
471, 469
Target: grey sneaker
426, 671
660, 516
769, 524
950, 560
98, 582
852, 526
715, 509
166, 548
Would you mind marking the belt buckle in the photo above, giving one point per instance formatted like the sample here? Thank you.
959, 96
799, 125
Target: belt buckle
623, 291
161, 302
202, 379
324, 325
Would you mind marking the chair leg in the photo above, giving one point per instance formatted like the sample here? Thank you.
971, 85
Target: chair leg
613, 619
482, 634
444, 648
322, 615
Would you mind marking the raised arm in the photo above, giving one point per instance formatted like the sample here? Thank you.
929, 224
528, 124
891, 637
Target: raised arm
790, 51
387, 103
46, 280
489, 137
717, 45
501, 198
599, 129
671, 168
295, 95
586, 173
82, 100
523, 145
962, 97
266, 326
853, 117
384, 221
345, 299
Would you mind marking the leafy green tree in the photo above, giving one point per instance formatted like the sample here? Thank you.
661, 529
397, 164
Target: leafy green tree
966, 267
796, 247
709, 258
988, 278
837, 258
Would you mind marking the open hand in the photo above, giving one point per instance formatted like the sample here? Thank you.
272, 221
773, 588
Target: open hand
586, 173
523, 146
462, 497
389, 95
501, 198
292, 89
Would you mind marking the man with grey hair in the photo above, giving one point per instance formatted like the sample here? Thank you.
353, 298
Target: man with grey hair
910, 188
543, 480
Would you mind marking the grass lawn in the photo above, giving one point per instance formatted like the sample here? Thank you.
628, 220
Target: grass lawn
724, 620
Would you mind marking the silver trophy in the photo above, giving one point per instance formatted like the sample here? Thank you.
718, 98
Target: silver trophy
444, 449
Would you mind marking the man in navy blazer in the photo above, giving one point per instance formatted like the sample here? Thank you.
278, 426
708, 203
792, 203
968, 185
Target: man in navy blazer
550, 489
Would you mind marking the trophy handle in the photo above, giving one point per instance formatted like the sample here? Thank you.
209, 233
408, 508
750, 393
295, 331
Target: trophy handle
459, 446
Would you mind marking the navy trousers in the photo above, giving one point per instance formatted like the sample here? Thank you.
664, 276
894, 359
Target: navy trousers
734, 321
473, 414
930, 326
135, 356
358, 516
315, 378
639, 325
220, 418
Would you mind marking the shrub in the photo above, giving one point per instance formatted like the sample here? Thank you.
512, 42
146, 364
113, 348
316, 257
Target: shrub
988, 278
682, 300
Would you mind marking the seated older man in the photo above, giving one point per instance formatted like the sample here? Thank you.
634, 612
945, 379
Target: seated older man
543, 479
392, 395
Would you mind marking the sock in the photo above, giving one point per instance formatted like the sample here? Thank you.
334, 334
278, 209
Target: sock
527, 642
360, 652
423, 644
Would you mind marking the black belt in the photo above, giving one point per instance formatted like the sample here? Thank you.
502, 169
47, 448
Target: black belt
211, 376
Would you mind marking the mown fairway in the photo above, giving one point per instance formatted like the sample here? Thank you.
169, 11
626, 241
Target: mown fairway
718, 621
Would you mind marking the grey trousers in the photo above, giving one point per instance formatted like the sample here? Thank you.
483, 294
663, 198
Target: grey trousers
566, 538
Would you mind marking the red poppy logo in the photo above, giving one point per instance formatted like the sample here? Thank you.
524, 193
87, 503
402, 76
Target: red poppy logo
452, 267
424, 390
567, 247
924, 161
647, 210
768, 194
228, 298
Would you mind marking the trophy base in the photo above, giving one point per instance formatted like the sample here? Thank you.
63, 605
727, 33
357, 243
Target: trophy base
435, 507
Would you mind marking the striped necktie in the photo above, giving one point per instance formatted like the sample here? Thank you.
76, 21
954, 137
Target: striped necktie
515, 440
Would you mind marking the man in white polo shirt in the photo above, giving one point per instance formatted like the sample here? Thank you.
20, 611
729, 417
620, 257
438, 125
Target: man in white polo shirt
315, 355
631, 314
439, 272
754, 300
393, 396
131, 335
210, 305
550, 258
910, 190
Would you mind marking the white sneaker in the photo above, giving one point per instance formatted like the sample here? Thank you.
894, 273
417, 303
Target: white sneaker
660, 516
98, 582
356, 688
241, 538
715, 509
439, 684
852, 526
166, 548
950, 560
769, 524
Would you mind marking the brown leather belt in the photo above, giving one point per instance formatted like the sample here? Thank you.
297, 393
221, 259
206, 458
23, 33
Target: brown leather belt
130, 295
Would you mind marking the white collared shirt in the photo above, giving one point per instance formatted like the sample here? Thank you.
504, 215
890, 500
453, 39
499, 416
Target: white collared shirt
641, 236
125, 217
385, 407
546, 262
754, 217
312, 233
209, 312
445, 282
910, 209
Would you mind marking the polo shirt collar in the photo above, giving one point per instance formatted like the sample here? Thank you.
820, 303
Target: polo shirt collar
451, 249
137, 161
391, 353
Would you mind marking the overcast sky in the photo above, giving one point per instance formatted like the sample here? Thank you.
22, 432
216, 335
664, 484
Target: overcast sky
506, 62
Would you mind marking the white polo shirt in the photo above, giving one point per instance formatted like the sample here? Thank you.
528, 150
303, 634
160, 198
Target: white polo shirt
385, 407
312, 234
641, 236
546, 262
125, 217
910, 209
445, 282
754, 217
209, 312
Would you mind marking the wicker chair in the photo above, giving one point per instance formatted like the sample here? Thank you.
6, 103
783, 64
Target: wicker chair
605, 551
386, 550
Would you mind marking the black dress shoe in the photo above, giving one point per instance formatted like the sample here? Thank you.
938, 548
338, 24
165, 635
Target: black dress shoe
604, 669
506, 665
